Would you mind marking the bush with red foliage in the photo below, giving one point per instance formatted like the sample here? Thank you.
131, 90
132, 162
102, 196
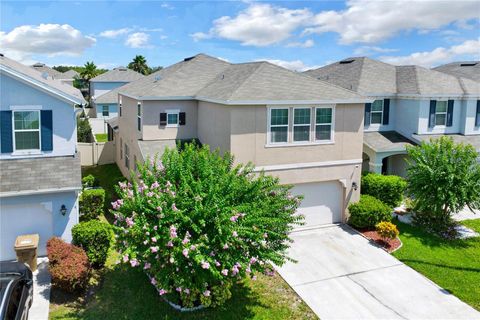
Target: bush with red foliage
68, 265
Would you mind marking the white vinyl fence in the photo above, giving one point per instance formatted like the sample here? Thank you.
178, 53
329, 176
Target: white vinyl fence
96, 153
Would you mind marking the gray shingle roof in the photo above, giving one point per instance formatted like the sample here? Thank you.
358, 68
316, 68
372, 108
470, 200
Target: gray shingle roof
41, 67
268, 82
70, 74
109, 97
474, 140
385, 141
37, 174
205, 77
54, 85
118, 75
371, 77
465, 69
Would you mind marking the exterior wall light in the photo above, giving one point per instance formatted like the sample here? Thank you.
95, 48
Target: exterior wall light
63, 210
354, 186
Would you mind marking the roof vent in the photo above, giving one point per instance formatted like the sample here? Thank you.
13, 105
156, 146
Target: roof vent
157, 77
1, 55
39, 65
122, 69
45, 75
346, 61
188, 59
471, 64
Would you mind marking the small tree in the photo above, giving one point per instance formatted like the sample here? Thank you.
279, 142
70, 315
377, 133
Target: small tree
443, 177
139, 64
196, 223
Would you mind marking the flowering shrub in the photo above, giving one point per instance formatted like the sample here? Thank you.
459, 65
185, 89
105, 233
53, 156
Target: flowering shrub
195, 223
68, 265
387, 230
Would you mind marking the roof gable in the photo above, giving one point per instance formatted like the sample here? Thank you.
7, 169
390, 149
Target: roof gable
120, 74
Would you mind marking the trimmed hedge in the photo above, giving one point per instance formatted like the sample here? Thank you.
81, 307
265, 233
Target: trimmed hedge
68, 265
388, 189
95, 237
89, 181
368, 212
91, 204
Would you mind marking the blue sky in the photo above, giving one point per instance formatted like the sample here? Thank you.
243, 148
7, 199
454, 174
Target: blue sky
294, 34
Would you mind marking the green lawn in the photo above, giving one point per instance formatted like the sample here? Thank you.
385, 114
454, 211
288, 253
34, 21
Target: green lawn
453, 265
101, 137
126, 293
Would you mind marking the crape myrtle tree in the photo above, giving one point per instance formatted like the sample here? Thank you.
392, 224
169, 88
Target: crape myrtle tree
443, 177
196, 223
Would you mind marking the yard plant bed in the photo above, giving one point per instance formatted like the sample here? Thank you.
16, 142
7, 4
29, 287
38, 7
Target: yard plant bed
452, 264
390, 245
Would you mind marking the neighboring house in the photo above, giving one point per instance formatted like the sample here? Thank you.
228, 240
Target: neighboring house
66, 77
306, 132
463, 69
40, 176
412, 104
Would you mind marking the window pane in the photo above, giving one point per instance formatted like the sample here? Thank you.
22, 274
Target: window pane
441, 106
26, 120
301, 116
324, 115
376, 117
301, 133
279, 116
440, 119
377, 105
279, 134
27, 140
105, 111
172, 118
139, 112
323, 132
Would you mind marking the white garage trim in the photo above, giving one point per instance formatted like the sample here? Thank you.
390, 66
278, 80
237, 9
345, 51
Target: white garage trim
32, 192
308, 165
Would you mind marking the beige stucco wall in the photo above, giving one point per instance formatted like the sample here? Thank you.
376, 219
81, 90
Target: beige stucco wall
214, 125
151, 120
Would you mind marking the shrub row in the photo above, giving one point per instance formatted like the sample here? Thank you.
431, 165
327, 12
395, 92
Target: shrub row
368, 212
388, 189
95, 237
91, 203
68, 265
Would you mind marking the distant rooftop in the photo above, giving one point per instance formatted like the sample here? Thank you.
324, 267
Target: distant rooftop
43, 68
466, 69
120, 74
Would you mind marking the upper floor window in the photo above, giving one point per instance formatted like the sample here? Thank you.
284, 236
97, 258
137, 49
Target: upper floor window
26, 128
376, 114
105, 111
127, 157
172, 118
477, 115
139, 117
303, 122
441, 113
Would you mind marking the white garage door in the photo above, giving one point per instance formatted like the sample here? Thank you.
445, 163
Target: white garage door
322, 202
24, 219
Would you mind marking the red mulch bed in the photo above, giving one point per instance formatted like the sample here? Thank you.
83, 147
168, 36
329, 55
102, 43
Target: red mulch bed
389, 245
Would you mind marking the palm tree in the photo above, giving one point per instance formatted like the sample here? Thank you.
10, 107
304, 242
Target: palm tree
139, 64
89, 71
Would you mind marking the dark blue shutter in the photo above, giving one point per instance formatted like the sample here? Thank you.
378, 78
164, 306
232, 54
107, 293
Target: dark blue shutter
477, 117
46, 120
431, 117
450, 113
6, 133
368, 108
386, 111
182, 119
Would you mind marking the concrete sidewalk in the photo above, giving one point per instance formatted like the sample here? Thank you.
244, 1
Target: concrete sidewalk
340, 275
41, 291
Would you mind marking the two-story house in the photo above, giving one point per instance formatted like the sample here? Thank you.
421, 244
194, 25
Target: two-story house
66, 77
306, 132
40, 176
411, 104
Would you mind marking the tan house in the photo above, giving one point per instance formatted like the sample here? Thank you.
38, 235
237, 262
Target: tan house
306, 132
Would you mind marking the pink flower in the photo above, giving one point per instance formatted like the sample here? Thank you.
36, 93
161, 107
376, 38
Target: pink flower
147, 266
248, 270
173, 232
122, 185
161, 292
169, 244
154, 239
254, 278
234, 218
225, 272
150, 194
154, 249
265, 235
225, 246
206, 293
153, 281
155, 228
129, 222
125, 258
174, 207
134, 262
205, 265
217, 263
192, 247
129, 193
185, 252
187, 291
253, 260
212, 254
179, 289
154, 185
235, 234
168, 184
159, 208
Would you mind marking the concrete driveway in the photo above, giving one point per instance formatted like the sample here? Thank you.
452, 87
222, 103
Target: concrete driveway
340, 275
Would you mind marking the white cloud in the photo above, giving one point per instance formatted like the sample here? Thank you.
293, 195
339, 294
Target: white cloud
138, 40
370, 21
258, 25
48, 39
469, 48
115, 33
368, 50
167, 5
306, 44
295, 65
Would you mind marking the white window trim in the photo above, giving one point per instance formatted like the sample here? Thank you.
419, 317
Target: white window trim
332, 126
269, 126
302, 125
435, 125
381, 112
173, 111
26, 151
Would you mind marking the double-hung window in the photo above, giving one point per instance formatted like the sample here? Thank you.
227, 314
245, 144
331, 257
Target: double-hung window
441, 113
139, 117
172, 118
105, 111
301, 124
279, 125
26, 128
127, 157
323, 124
376, 114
